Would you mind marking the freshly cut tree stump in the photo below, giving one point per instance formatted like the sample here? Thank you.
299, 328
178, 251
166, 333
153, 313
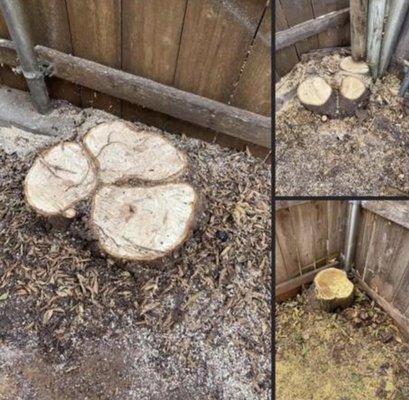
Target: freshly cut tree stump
123, 152
333, 289
143, 223
317, 95
353, 94
59, 178
354, 67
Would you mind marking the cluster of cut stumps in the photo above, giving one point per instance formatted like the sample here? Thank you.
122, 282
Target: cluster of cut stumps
140, 208
319, 96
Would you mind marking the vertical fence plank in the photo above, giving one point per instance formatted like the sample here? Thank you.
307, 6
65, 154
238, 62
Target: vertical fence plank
401, 298
398, 10
96, 36
338, 36
253, 91
286, 240
224, 30
320, 227
285, 59
150, 45
376, 252
280, 268
302, 224
297, 11
359, 24
394, 267
48, 25
364, 234
402, 48
376, 14
336, 226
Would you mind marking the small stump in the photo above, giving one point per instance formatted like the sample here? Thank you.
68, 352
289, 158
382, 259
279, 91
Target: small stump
333, 289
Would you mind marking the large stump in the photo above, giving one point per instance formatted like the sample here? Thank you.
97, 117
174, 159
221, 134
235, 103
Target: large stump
333, 289
143, 221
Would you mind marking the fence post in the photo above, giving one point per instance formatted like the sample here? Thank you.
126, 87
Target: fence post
13, 14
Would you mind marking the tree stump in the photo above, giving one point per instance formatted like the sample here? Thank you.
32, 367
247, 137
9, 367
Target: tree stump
317, 96
144, 220
353, 94
354, 67
123, 152
59, 178
333, 289
143, 223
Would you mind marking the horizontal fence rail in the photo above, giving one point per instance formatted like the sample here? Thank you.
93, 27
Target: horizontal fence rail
310, 28
147, 93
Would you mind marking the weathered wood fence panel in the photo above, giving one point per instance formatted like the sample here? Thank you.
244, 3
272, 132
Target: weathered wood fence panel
309, 236
292, 12
216, 48
382, 255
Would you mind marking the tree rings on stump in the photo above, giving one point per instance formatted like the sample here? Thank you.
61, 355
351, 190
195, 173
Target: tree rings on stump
59, 178
317, 95
143, 223
354, 67
333, 289
353, 94
123, 152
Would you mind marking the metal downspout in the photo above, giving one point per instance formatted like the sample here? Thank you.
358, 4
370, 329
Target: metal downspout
350, 234
13, 14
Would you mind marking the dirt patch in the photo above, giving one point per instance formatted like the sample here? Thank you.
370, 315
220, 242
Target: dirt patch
75, 324
357, 354
366, 154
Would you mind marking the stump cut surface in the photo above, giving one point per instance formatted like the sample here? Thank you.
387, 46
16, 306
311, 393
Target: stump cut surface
354, 67
143, 223
124, 152
352, 88
59, 178
314, 91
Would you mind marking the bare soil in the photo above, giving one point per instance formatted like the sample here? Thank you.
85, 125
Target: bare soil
356, 354
366, 154
76, 324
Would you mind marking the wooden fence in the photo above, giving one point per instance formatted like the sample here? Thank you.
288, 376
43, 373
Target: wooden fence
309, 236
293, 12
219, 49
382, 256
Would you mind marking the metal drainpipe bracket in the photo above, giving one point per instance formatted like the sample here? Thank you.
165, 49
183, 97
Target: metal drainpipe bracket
46, 70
